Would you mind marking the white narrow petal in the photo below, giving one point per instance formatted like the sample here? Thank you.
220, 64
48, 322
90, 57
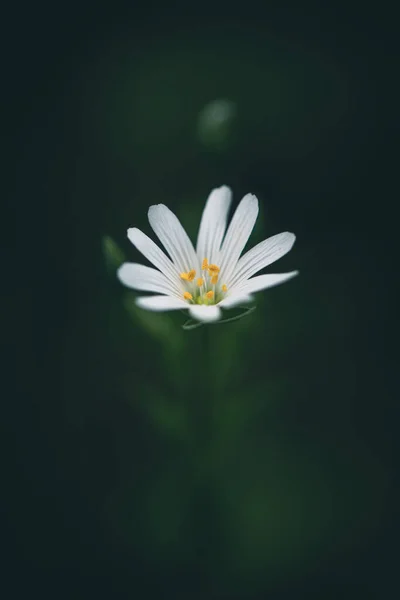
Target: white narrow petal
201, 312
153, 253
237, 235
236, 300
213, 223
262, 255
174, 238
161, 303
263, 282
140, 277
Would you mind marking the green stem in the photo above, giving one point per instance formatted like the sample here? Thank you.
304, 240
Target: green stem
205, 521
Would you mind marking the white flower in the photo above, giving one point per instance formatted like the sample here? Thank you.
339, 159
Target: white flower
213, 276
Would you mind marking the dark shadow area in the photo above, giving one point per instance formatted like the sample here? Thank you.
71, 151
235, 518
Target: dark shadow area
251, 460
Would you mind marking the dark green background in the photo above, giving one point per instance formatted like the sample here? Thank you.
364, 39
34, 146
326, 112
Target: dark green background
249, 460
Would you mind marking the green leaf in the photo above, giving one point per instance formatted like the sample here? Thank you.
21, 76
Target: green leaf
113, 255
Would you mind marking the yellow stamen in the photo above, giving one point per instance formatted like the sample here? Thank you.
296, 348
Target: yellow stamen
191, 275
224, 288
213, 269
210, 295
185, 276
200, 281
188, 296
214, 279
204, 265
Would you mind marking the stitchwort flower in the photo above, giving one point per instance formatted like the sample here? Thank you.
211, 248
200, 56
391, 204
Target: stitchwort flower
214, 276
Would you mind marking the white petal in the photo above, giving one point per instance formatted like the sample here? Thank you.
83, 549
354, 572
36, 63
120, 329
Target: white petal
174, 238
263, 282
236, 300
237, 235
201, 312
161, 303
213, 223
153, 253
262, 255
140, 277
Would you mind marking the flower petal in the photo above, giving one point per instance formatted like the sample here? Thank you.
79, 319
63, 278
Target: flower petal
237, 235
152, 252
235, 300
213, 223
204, 313
263, 282
140, 277
174, 238
161, 303
262, 255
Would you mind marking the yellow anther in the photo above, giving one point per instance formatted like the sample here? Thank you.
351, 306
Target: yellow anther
204, 264
210, 295
224, 288
200, 281
188, 296
213, 269
214, 279
188, 276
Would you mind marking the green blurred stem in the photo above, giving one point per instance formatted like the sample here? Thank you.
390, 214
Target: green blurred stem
205, 522
206, 377
203, 399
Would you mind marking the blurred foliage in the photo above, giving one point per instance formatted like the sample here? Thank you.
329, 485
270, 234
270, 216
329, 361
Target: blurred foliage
215, 124
113, 255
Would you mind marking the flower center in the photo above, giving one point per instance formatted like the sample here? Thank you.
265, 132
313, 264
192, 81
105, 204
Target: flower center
206, 289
